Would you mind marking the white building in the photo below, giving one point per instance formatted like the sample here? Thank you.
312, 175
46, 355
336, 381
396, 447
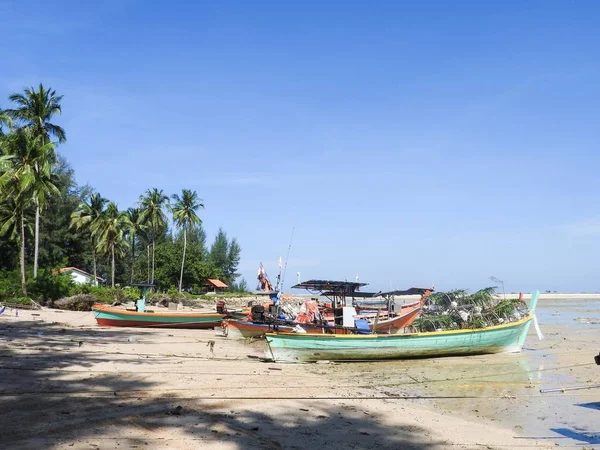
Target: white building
81, 276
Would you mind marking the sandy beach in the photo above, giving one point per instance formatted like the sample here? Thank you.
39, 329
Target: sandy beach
69, 384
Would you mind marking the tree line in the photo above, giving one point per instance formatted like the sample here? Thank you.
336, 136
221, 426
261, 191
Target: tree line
42, 206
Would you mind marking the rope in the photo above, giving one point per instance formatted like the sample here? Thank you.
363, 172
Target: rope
135, 394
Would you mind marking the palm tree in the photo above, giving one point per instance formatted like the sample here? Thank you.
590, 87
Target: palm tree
185, 217
26, 177
14, 223
85, 218
153, 204
34, 110
110, 230
135, 227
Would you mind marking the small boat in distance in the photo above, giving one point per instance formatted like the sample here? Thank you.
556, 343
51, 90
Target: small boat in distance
295, 347
109, 316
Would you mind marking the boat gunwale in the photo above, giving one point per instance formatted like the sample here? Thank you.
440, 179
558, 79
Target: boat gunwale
400, 336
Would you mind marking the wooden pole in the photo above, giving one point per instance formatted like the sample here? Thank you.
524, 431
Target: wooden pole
574, 388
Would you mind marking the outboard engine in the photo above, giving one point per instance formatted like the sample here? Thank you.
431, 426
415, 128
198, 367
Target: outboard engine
221, 307
273, 310
258, 313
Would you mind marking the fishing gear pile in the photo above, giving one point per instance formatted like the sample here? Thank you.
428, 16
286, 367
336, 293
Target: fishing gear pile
458, 309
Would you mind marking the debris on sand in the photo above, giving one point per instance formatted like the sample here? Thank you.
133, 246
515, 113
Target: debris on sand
176, 411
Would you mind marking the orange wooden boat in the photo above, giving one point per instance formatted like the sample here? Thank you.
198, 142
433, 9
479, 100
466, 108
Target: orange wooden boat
241, 329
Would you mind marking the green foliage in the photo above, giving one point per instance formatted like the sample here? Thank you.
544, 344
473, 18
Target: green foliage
185, 209
48, 286
434, 323
10, 284
508, 306
458, 309
233, 261
172, 291
168, 265
219, 250
483, 297
110, 230
62, 244
225, 256
477, 322
25, 301
10, 253
239, 286
185, 217
106, 294
34, 110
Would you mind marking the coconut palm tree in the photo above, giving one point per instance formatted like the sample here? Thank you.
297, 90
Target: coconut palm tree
152, 205
185, 217
34, 111
85, 218
14, 223
110, 230
135, 227
27, 174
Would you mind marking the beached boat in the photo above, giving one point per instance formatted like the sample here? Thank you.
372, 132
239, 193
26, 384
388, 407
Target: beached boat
379, 321
295, 347
108, 316
242, 329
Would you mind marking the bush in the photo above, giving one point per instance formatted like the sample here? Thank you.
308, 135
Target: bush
240, 286
26, 301
10, 284
106, 294
48, 287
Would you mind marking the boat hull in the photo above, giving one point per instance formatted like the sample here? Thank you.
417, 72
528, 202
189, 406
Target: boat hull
114, 317
241, 329
291, 347
398, 323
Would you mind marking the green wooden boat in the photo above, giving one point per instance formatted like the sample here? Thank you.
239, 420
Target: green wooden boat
108, 316
116, 317
292, 347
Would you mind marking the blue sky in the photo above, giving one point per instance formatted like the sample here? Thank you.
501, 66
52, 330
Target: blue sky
411, 143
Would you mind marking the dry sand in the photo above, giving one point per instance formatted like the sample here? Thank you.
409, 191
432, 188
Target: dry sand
68, 384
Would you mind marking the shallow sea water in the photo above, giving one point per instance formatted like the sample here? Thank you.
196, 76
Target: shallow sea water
505, 388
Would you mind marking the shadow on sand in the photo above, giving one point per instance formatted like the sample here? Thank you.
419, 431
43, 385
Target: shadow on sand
52, 396
579, 435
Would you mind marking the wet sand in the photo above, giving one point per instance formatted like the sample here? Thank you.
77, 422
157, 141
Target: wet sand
67, 383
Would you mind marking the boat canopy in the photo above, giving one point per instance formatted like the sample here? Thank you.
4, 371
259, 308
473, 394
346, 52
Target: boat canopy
336, 287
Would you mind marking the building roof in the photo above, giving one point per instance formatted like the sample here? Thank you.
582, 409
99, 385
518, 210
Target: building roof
216, 283
75, 269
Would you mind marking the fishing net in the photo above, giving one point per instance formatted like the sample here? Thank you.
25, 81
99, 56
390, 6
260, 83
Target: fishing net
458, 309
